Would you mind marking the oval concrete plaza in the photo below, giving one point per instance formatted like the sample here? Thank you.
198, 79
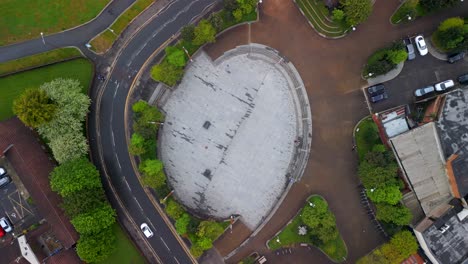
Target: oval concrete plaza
234, 132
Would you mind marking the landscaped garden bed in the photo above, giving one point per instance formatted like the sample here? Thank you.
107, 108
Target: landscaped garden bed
26, 19
378, 172
413, 9
384, 60
103, 42
451, 35
37, 60
314, 225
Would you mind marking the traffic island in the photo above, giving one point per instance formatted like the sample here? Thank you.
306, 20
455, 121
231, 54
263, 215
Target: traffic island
314, 225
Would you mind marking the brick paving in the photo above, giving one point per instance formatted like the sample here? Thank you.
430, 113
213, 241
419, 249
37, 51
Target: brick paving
331, 72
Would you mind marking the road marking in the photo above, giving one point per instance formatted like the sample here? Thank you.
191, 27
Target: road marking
176, 260
367, 100
113, 143
141, 208
118, 162
116, 89
126, 183
164, 242
437, 75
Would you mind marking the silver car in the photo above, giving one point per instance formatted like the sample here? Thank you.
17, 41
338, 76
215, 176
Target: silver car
410, 50
424, 91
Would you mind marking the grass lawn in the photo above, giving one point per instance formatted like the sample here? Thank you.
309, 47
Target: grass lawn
26, 19
105, 40
39, 60
317, 13
335, 249
366, 137
125, 250
14, 85
410, 8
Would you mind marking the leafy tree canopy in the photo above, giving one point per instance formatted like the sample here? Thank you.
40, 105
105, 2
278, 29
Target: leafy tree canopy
387, 194
167, 73
396, 214
174, 209
182, 223
374, 177
73, 176
34, 108
210, 229
357, 11
68, 146
137, 144
433, 5
95, 221
204, 33
83, 201
175, 56
96, 247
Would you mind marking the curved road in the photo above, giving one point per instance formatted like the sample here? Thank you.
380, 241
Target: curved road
107, 128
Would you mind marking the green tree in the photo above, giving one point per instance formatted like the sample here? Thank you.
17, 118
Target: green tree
433, 5
396, 214
137, 144
312, 215
397, 56
237, 14
95, 221
204, 33
68, 147
204, 243
153, 174
338, 15
196, 250
356, 11
217, 21
175, 56
34, 108
83, 201
147, 119
188, 33
96, 247
230, 5
182, 223
167, 73
375, 177
73, 176
174, 209
387, 194
405, 244
451, 38
247, 6
453, 22
140, 106
209, 229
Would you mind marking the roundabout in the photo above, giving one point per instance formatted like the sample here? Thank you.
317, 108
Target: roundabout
235, 136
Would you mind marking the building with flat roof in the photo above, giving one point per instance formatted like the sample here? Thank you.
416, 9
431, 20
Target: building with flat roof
443, 235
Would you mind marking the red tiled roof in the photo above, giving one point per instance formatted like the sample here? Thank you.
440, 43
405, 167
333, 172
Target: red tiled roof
64, 257
413, 259
33, 167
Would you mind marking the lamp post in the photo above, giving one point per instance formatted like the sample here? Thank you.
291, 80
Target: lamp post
42, 36
188, 55
111, 30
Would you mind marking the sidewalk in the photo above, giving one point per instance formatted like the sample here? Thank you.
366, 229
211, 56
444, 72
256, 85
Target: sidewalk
435, 52
388, 76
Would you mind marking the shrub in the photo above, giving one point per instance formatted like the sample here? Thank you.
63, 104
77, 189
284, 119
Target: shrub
387, 194
175, 56
182, 223
451, 35
137, 144
153, 174
209, 229
356, 11
217, 21
96, 247
167, 73
188, 33
174, 209
34, 108
398, 214
204, 33
433, 5
338, 15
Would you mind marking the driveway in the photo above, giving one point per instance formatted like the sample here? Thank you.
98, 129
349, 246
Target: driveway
419, 73
331, 73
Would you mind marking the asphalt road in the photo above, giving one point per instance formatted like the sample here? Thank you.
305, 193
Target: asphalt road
111, 123
109, 120
73, 37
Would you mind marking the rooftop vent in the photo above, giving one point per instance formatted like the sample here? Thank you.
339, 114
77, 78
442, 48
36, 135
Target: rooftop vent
444, 228
206, 125
207, 174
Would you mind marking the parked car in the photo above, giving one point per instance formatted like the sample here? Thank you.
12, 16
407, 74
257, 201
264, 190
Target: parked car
410, 50
6, 224
2, 232
379, 97
442, 86
4, 180
421, 45
146, 230
424, 91
463, 79
2, 171
376, 89
456, 57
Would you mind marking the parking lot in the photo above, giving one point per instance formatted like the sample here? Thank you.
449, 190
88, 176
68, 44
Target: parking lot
418, 73
13, 203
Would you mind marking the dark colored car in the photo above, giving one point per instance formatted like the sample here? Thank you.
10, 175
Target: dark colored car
379, 97
463, 79
376, 89
409, 49
456, 57
4, 180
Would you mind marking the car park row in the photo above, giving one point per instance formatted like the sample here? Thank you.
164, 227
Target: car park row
5, 224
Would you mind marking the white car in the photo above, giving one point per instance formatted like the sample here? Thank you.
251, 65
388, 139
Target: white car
2, 171
146, 230
421, 45
442, 86
6, 224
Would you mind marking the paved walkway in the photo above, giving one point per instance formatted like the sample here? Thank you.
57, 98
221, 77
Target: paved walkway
331, 71
388, 76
